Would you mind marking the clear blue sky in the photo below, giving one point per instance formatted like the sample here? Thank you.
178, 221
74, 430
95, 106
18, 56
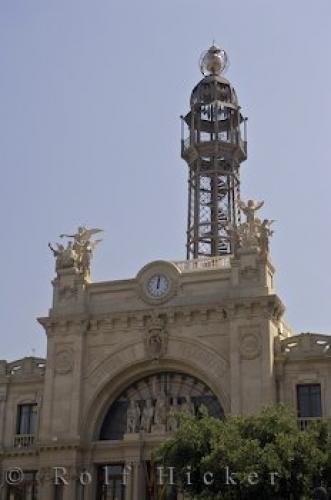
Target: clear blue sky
90, 96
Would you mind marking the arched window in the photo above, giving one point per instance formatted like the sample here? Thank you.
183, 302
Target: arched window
151, 403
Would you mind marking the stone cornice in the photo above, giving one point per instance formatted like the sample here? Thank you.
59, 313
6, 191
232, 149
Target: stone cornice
41, 447
60, 445
19, 452
23, 379
266, 306
64, 324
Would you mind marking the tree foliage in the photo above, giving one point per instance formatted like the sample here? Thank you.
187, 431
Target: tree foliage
263, 456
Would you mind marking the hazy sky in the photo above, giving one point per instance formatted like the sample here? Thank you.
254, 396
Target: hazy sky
90, 96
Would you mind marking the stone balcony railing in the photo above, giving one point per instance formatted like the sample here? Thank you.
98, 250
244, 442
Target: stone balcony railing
25, 367
204, 263
306, 345
304, 423
24, 440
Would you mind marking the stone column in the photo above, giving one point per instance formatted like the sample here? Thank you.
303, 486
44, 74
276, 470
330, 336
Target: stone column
3, 492
45, 416
91, 486
137, 486
235, 385
3, 397
77, 376
129, 481
46, 483
69, 491
46, 490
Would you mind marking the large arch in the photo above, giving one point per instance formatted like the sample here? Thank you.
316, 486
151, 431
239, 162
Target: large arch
188, 359
152, 402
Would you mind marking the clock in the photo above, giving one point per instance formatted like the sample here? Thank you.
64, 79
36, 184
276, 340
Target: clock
158, 282
158, 286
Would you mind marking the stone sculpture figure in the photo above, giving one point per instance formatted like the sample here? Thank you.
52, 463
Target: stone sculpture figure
264, 234
57, 252
250, 209
82, 236
172, 420
160, 415
65, 257
252, 233
188, 406
84, 246
78, 252
235, 237
147, 416
86, 255
248, 231
132, 417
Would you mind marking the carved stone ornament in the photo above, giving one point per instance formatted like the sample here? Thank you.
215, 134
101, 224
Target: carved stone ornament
254, 233
250, 346
64, 361
78, 252
156, 338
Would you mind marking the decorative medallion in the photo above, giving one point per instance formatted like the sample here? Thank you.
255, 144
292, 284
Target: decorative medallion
64, 361
250, 346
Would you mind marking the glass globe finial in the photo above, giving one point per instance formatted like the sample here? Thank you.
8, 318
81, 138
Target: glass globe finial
213, 61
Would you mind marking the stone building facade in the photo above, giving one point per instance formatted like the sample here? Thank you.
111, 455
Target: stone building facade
124, 356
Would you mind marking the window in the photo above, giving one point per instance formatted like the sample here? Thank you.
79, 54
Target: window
309, 401
27, 419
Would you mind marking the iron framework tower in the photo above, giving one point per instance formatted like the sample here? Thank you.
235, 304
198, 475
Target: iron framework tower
213, 144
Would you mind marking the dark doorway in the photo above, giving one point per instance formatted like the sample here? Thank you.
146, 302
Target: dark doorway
110, 482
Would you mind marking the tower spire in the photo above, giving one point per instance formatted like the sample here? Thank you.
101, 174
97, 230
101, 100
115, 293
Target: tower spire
213, 147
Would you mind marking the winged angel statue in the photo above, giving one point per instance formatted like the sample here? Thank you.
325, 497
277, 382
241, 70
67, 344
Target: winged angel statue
253, 232
79, 250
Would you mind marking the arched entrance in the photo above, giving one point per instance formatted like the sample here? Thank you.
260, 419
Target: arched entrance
145, 412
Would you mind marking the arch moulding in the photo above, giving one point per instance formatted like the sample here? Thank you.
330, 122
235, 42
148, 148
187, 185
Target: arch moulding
127, 365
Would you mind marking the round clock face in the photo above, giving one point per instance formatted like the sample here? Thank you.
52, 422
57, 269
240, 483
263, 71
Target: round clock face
158, 286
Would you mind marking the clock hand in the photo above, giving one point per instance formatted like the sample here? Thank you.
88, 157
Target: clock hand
158, 283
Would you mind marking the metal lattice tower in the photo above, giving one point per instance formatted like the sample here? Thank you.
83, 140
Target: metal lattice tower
213, 147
